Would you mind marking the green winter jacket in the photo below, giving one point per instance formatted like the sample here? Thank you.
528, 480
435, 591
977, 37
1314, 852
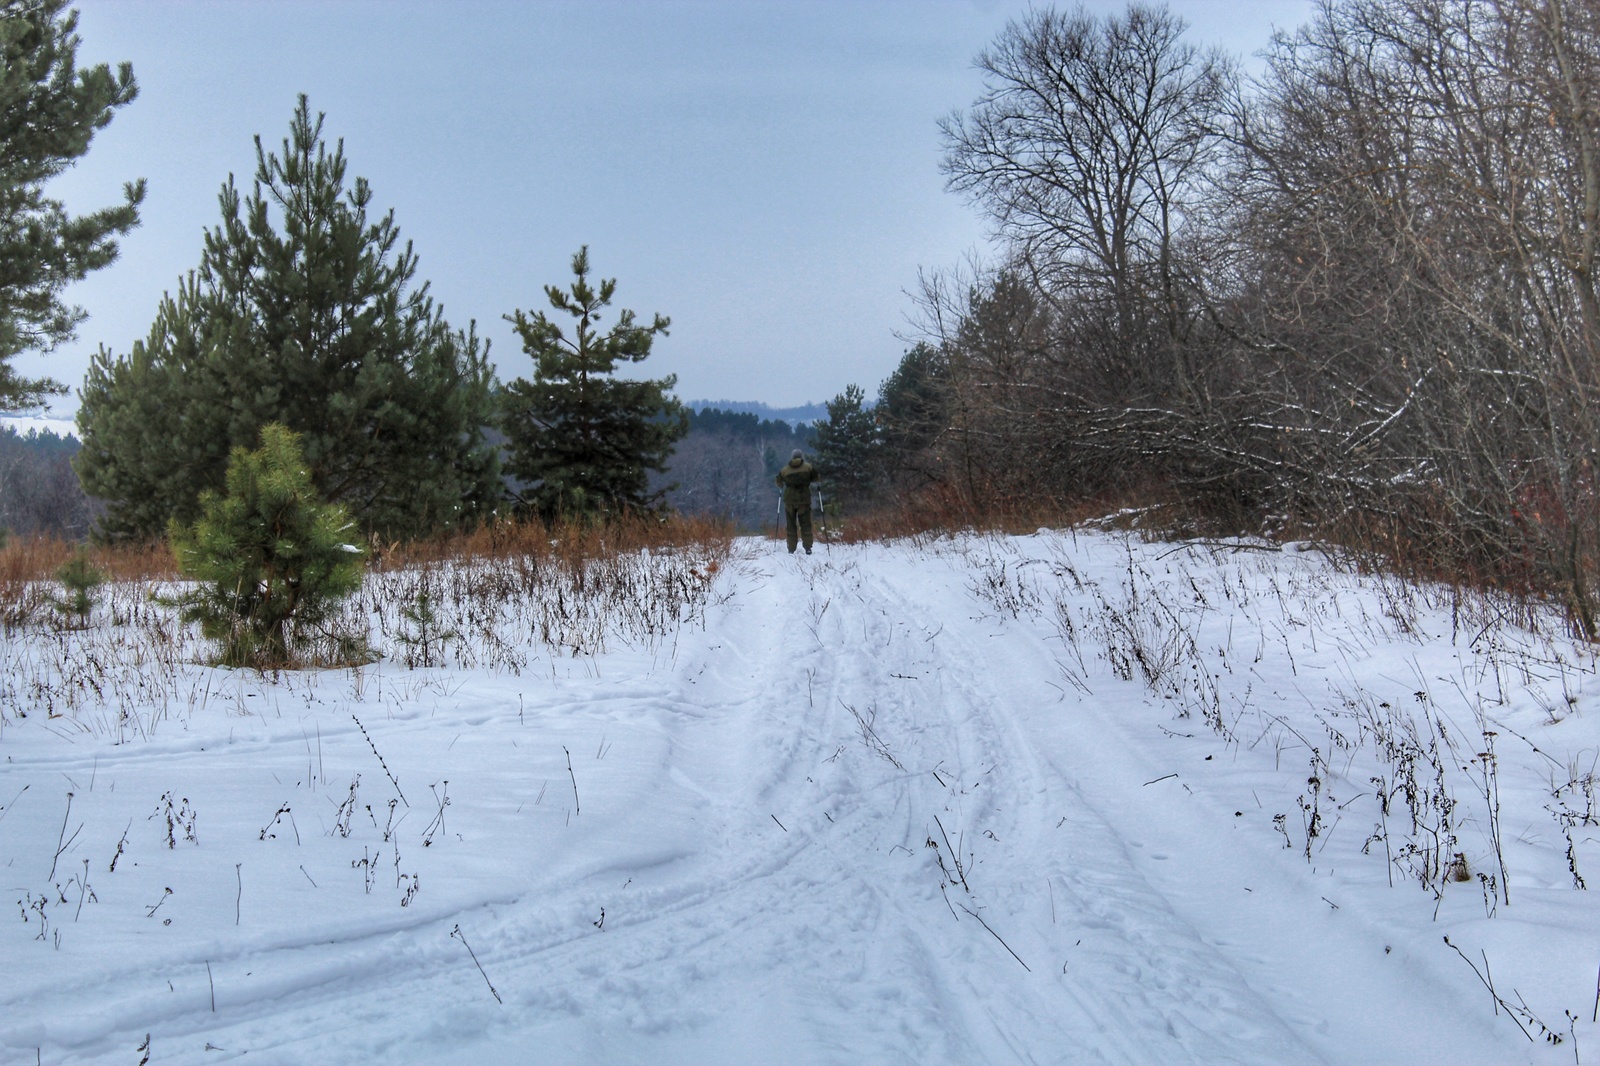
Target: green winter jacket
797, 477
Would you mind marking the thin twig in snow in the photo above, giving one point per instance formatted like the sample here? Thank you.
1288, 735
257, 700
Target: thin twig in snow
997, 936
456, 933
62, 837
381, 763
578, 807
7, 808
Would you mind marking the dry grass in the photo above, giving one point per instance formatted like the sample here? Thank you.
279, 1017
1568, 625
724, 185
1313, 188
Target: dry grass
495, 599
28, 566
1367, 543
571, 586
1192, 622
36, 559
568, 543
944, 509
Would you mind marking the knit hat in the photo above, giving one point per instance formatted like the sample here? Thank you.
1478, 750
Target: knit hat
798, 454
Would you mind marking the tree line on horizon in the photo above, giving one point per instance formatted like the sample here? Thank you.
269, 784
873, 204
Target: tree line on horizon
39, 491
721, 468
725, 465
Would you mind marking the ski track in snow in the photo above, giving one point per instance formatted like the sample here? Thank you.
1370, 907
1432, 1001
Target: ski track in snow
993, 868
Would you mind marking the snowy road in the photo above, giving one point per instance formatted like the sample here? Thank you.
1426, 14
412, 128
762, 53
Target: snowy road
861, 814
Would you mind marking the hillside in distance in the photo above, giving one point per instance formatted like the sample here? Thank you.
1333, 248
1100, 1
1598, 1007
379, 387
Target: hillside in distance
806, 412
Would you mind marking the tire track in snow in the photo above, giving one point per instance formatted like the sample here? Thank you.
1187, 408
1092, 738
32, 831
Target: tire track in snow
1147, 867
1111, 1009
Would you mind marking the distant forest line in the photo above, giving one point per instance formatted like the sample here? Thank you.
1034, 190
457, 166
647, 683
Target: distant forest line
722, 468
806, 412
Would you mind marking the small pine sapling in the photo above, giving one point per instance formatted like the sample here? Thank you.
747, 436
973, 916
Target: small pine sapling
273, 560
425, 633
80, 578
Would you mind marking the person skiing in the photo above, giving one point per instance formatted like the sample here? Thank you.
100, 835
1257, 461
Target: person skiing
796, 478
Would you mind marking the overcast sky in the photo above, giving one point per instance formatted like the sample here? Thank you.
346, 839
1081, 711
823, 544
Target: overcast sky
764, 173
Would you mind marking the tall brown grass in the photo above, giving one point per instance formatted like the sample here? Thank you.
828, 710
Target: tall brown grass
945, 509
569, 542
37, 558
28, 564
32, 559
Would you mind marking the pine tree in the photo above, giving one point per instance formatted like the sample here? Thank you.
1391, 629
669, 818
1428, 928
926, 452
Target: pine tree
847, 447
80, 578
581, 441
49, 112
272, 559
911, 414
303, 313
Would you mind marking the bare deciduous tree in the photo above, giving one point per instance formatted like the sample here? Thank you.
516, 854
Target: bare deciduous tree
1090, 148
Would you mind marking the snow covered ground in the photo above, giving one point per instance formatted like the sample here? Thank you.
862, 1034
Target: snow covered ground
1064, 798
